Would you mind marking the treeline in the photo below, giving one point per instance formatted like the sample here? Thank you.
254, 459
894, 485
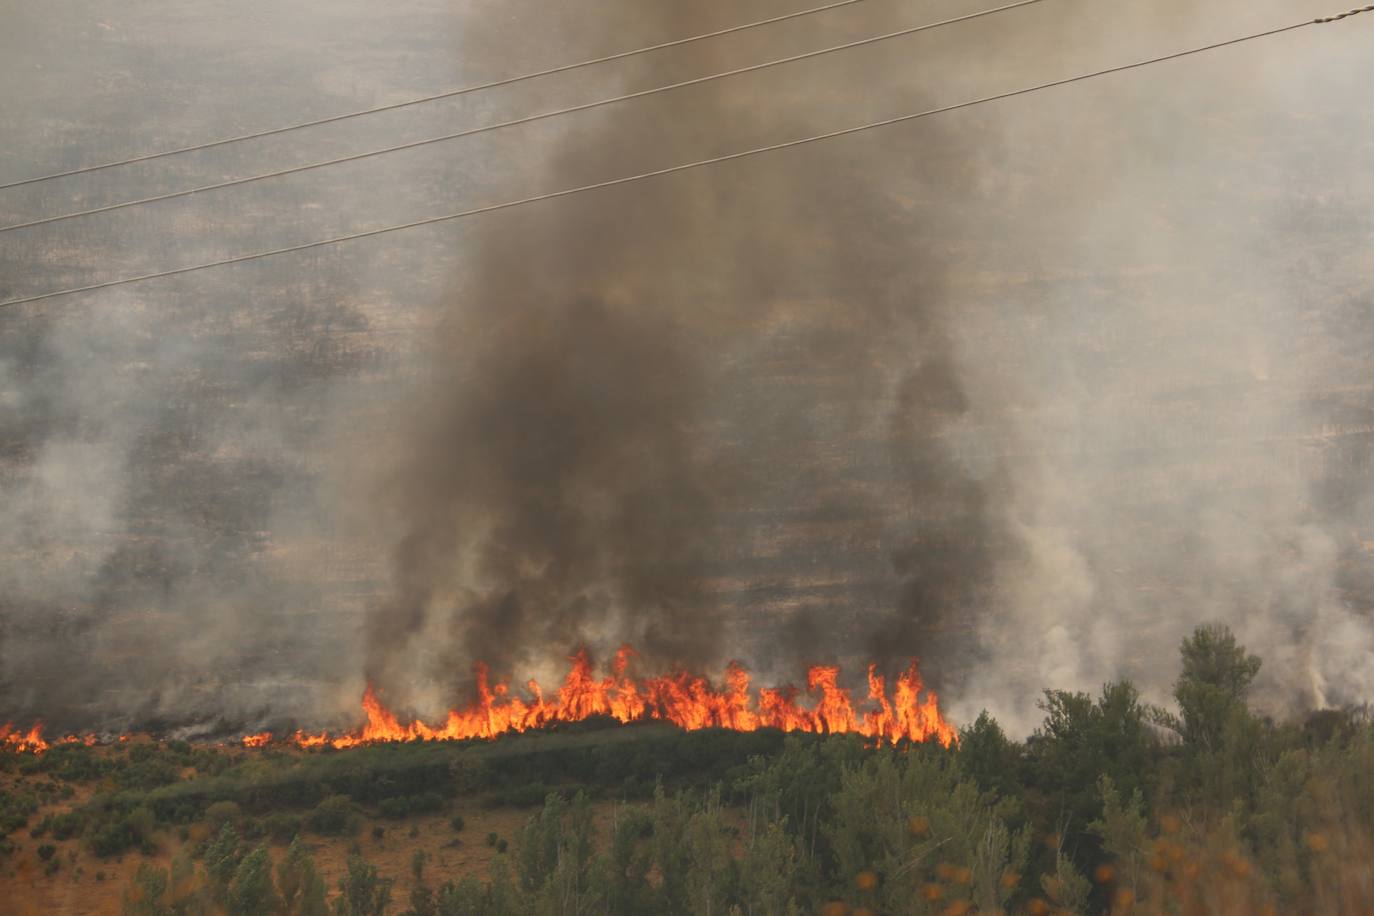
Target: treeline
1110, 806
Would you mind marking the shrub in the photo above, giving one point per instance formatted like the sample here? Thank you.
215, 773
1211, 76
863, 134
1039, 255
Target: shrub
112, 837
15, 808
405, 805
47, 851
335, 816
281, 826
457, 823
74, 763
221, 813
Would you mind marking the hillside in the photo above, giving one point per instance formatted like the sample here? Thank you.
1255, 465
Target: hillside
1110, 806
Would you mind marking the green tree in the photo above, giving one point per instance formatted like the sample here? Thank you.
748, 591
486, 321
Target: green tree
554, 856
710, 868
466, 898
313, 892
364, 892
1066, 886
186, 895
251, 892
629, 862
1122, 829
907, 819
987, 755
768, 872
422, 899
1082, 739
221, 861
300, 882
291, 874
146, 894
1211, 689
670, 817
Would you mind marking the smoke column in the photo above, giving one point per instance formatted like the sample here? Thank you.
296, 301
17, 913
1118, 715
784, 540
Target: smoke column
1027, 391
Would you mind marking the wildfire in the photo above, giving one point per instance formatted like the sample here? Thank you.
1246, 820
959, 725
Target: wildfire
13, 739
686, 700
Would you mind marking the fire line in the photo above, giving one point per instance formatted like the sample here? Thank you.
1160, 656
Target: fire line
909, 712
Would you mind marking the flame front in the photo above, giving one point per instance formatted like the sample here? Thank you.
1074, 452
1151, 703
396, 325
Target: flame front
14, 739
686, 700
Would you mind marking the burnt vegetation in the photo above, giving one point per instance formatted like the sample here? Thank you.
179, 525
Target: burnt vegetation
1111, 805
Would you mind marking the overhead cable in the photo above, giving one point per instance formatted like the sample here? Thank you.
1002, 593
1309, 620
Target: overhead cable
446, 94
700, 163
528, 119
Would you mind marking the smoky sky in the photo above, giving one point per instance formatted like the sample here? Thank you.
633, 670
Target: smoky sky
1027, 390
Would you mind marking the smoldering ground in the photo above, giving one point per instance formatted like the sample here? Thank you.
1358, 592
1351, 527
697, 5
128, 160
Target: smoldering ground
1026, 391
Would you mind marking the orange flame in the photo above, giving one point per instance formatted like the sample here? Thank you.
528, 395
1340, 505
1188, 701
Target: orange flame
13, 739
686, 700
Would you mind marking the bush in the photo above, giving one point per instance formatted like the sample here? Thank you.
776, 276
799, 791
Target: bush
406, 805
74, 763
112, 837
335, 816
66, 825
15, 808
221, 813
47, 851
281, 826
491, 839
457, 823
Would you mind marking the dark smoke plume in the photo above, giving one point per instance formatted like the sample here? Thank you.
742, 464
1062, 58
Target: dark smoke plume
1026, 390
604, 438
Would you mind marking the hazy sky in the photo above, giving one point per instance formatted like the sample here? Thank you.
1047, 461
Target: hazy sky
1027, 390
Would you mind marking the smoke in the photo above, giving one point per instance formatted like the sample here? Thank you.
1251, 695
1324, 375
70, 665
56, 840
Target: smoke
1027, 390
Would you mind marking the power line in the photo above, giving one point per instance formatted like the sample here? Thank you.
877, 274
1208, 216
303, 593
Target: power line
528, 119
1346, 15
700, 163
447, 94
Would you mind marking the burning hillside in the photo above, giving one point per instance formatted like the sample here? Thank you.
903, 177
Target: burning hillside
686, 700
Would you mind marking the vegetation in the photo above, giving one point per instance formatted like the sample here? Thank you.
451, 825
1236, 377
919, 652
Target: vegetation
1111, 805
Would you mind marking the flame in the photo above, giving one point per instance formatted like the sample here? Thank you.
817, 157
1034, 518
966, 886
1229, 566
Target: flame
686, 700
681, 698
13, 739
